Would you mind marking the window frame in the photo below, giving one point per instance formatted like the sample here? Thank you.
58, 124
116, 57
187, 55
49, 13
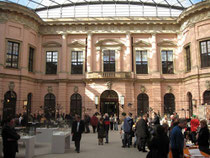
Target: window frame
188, 59
32, 61
141, 51
77, 52
51, 62
114, 63
203, 56
18, 56
167, 50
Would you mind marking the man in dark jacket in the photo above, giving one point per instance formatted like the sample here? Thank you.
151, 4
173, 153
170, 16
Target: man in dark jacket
10, 138
107, 123
78, 128
177, 139
142, 133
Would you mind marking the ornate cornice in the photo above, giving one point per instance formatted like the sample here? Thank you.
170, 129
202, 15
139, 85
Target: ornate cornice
77, 44
166, 43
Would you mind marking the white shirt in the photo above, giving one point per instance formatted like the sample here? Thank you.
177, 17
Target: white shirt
78, 126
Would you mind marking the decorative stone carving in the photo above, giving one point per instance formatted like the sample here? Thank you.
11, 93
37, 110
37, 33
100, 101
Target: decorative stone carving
109, 85
109, 42
76, 44
166, 43
169, 89
208, 84
76, 89
11, 86
49, 89
142, 89
51, 44
141, 43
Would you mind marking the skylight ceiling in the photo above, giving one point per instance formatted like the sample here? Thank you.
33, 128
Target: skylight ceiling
105, 8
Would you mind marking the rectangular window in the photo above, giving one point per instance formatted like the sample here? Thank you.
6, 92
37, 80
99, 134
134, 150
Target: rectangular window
76, 62
141, 62
31, 59
109, 60
51, 62
167, 61
205, 53
188, 58
12, 54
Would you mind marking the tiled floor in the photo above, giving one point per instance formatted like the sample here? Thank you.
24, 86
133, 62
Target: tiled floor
89, 149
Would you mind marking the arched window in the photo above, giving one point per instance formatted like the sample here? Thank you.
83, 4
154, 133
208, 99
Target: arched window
49, 106
142, 104
169, 103
189, 95
9, 109
76, 104
29, 99
206, 97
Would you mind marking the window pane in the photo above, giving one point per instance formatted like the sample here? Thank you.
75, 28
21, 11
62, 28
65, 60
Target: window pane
144, 56
203, 47
170, 55
163, 55
138, 56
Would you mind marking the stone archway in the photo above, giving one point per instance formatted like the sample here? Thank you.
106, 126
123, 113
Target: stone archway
9, 108
142, 104
109, 102
169, 103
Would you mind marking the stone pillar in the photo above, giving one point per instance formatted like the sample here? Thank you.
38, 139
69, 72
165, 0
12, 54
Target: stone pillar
62, 98
89, 53
128, 55
157, 104
154, 55
63, 55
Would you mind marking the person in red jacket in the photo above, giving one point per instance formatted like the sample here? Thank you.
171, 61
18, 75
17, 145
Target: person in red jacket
194, 126
94, 122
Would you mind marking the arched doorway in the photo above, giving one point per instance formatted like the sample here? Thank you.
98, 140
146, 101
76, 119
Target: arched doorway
169, 103
29, 99
49, 106
76, 104
109, 103
206, 97
189, 95
9, 109
142, 104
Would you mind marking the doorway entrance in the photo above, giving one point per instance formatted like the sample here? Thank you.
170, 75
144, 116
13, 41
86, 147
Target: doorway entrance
9, 108
109, 103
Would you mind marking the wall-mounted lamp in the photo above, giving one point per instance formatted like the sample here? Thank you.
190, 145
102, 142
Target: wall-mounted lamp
194, 102
25, 102
96, 102
122, 101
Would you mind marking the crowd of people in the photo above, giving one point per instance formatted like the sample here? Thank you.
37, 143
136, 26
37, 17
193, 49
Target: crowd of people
158, 135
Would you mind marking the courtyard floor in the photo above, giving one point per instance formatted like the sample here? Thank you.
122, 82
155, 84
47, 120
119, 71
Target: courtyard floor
89, 149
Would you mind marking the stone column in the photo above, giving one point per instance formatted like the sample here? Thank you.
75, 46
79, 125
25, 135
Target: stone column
63, 54
154, 56
89, 53
62, 98
128, 55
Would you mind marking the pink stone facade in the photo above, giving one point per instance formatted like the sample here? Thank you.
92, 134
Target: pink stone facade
92, 38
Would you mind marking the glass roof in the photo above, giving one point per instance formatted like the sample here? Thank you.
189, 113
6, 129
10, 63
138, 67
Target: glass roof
105, 8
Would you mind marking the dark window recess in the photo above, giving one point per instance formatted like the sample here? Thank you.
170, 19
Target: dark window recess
167, 62
188, 58
51, 62
205, 53
141, 62
77, 62
12, 54
31, 60
109, 60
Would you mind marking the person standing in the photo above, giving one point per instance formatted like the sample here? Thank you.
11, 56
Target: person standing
87, 122
142, 133
107, 123
10, 138
202, 137
194, 123
78, 128
159, 145
101, 131
94, 122
177, 139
